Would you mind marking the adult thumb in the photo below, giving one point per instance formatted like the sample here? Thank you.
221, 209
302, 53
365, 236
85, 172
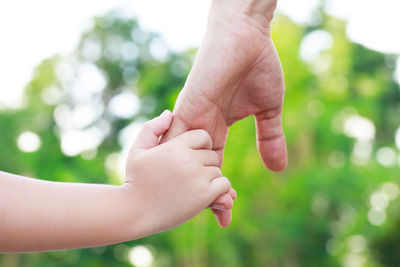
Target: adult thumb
152, 130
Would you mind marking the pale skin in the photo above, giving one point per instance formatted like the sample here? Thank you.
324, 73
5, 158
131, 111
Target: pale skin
236, 73
165, 186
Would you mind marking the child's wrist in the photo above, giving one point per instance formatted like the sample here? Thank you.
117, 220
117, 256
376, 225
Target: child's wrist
133, 213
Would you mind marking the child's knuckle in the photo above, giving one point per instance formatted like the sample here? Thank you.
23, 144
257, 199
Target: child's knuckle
214, 156
217, 172
202, 134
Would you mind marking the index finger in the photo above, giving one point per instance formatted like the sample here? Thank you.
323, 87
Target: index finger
177, 127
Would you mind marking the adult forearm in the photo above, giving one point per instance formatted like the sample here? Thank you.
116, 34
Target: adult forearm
40, 215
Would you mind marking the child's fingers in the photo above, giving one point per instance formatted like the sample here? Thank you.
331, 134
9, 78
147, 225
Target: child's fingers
197, 139
151, 131
212, 172
207, 157
219, 186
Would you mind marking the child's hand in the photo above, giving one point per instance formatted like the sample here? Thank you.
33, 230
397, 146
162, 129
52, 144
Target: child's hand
176, 180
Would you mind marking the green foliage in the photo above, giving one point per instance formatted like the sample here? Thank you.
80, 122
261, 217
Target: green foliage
316, 213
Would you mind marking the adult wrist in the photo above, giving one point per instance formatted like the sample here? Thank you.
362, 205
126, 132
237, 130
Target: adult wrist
258, 13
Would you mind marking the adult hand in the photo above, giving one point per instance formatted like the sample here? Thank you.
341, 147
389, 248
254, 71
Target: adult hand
236, 73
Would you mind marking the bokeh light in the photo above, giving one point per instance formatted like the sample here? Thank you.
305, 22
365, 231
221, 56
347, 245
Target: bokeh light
314, 43
397, 138
124, 105
141, 256
379, 201
376, 217
28, 142
386, 156
391, 190
359, 128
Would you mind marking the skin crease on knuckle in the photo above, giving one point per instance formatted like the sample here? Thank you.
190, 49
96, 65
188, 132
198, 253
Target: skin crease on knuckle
215, 158
213, 172
205, 193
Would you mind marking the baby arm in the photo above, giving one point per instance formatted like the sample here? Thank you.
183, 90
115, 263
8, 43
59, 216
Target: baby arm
165, 186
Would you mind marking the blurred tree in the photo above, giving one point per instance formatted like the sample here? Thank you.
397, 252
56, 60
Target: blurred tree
337, 203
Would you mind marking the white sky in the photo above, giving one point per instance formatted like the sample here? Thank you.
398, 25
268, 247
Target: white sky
32, 30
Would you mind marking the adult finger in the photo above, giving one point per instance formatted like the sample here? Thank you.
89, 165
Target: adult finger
177, 127
223, 202
221, 208
233, 194
271, 141
223, 217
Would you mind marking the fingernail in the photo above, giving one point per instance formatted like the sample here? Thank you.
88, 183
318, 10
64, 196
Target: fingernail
217, 207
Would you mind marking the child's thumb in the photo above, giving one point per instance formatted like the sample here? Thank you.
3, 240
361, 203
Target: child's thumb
151, 131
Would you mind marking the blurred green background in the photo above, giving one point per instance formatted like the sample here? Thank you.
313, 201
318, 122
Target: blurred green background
337, 203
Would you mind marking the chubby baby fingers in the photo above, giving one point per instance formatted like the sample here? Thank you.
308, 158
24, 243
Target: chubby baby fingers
197, 139
219, 186
212, 172
207, 157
